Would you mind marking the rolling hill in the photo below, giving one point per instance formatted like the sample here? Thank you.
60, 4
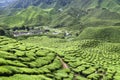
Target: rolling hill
65, 13
60, 40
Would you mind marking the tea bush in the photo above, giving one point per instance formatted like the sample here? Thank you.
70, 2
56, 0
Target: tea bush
43, 58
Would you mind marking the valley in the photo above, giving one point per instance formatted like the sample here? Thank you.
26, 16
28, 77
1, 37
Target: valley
60, 40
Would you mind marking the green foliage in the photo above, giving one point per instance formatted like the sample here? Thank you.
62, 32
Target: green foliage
102, 33
54, 58
79, 69
93, 76
89, 71
80, 78
31, 16
58, 59
26, 77
117, 76
90, 43
71, 14
4, 71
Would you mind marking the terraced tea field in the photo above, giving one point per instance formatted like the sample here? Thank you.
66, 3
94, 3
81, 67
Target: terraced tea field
43, 58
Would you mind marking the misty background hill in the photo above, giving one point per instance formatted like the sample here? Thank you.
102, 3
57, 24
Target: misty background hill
4, 3
62, 12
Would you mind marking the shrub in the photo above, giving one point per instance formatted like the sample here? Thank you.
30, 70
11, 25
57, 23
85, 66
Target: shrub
89, 71
4, 71
93, 76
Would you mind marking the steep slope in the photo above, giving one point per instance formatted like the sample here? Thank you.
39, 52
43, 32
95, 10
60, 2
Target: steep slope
66, 13
41, 3
5, 3
104, 17
112, 5
30, 16
99, 12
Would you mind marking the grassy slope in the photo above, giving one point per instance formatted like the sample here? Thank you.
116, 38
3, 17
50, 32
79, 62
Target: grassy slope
30, 16
100, 17
103, 33
99, 12
90, 4
95, 13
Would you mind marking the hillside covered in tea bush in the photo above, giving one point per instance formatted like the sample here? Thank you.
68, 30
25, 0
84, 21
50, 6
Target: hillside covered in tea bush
59, 39
58, 59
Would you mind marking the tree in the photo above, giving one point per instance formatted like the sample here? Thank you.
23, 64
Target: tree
2, 32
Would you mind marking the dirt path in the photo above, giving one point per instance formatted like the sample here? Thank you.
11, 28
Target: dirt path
65, 66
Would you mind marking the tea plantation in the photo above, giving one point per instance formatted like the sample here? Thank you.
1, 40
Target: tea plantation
44, 58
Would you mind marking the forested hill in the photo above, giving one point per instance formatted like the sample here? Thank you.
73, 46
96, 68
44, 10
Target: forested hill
62, 13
